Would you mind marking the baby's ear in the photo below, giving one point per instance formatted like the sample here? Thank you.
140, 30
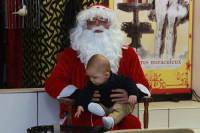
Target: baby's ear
107, 74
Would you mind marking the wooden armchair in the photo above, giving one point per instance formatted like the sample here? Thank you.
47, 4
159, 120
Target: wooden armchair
70, 102
146, 101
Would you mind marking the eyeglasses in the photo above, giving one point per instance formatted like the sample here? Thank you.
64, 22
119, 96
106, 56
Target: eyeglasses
97, 21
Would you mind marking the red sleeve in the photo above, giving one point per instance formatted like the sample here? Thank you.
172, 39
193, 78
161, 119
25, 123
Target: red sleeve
130, 66
61, 74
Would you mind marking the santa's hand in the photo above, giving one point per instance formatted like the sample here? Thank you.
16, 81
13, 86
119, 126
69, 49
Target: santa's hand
132, 99
96, 96
119, 96
79, 111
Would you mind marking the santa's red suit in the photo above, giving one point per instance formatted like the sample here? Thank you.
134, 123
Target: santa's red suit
70, 71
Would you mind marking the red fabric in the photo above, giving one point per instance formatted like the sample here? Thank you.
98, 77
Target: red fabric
129, 122
69, 70
14, 59
14, 52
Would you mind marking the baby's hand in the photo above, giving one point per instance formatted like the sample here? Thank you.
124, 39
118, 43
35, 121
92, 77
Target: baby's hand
79, 111
132, 99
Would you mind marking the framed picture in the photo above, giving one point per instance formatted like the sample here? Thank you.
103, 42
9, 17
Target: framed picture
161, 33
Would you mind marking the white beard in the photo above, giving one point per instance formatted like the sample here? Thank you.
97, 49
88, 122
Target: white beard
108, 43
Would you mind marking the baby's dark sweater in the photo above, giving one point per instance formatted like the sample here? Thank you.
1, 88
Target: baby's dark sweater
114, 82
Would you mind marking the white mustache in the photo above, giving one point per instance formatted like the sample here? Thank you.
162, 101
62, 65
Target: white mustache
101, 28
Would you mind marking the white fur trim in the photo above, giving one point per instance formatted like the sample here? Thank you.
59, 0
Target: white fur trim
144, 89
97, 11
67, 91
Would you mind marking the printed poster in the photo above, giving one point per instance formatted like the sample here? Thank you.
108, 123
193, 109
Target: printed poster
162, 33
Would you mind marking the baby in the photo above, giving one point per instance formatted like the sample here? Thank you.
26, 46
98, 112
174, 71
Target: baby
102, 79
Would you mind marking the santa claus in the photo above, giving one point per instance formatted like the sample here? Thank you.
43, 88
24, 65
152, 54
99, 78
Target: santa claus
97, 32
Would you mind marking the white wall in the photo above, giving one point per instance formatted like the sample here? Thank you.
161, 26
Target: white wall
48, 110
19, 111
173, 118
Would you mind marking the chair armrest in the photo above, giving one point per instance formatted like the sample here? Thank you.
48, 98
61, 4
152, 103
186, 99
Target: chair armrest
69, 103
146, 101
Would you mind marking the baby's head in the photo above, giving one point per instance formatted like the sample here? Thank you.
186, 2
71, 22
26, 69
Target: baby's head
98, 69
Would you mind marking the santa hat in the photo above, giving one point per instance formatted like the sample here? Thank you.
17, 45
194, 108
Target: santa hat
97, 10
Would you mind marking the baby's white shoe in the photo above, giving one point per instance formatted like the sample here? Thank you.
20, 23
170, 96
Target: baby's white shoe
96, 109
108, 122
